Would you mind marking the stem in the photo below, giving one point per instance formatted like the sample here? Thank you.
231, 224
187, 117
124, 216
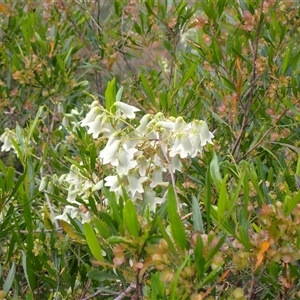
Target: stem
57, 227
171, 172
250, 92
266, 133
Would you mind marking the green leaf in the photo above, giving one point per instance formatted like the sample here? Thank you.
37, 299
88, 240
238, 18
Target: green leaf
10, 278
197, 217
30, 178
28, 269
166, 236
215, 170
130, 219
47, 219
177, 228
186, 77
71, 232
121, 240
9, 179
289, 204
102, 228
207, 201
34, 123
112, 200
110, 96
286, 61
171, 202
244, 237
174, 283
92, 241
199, 259
298, 165
147, 89
119, 94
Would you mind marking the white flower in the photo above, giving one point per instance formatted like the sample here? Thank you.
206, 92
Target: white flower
6, 140
128, 111
73, 212
95, 127
159, 162
176, 163
168, 125
74, 177
109, 153
124, 161
182, 146
43, 183
72, 193
69, 210
114, 182
205, 135
196, 141
151, 199
135, 185
142, 164
179, 125
157, 178
141, 129
92, 114
98, 186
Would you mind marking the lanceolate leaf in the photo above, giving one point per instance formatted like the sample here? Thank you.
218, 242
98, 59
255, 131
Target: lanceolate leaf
92, 241
177, 228
130, 219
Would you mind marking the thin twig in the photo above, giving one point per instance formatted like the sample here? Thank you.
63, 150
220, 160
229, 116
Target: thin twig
250, 92
266, 133
126, 292
92, 295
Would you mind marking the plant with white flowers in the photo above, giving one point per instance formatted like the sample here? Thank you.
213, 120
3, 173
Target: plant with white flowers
137, 156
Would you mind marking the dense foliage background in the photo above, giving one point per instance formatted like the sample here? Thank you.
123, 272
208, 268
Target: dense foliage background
233, 232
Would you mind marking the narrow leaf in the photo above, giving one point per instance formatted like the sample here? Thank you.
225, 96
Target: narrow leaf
110, 96
197, 217
10, 278
92, 241
130, 219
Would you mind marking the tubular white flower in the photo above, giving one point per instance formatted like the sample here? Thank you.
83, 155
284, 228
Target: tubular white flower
176, 163
128, 111
196, 142
205, 135
98, 186
168, 125
142, 165
135, 185
141, 129
179, 125
114, 182
109, 153
158, 162
6, 140
73, 212
124, 161
69, 210
182, 146
72, 193
157, 178
91, 115
151, 199
95, 127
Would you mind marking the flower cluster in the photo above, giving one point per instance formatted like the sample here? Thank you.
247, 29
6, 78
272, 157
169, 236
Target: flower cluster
138, 157
6, 138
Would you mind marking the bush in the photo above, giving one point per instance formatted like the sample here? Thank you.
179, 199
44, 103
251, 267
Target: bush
150, 150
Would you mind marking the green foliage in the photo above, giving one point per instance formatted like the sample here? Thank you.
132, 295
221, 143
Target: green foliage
229, 226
